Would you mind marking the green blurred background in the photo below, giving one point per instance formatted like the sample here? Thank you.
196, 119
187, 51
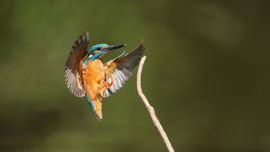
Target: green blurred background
207, 75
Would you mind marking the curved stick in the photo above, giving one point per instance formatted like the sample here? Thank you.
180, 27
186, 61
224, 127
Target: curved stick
150, 109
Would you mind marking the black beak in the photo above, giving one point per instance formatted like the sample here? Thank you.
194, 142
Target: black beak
113, 47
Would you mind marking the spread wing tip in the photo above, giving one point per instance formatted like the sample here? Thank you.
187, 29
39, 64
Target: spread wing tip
83, 38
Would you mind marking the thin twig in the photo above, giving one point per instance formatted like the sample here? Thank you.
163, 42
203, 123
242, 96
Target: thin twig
150, 109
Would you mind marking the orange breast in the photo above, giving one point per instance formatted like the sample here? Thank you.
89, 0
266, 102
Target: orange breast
94, 72
94, 80
94, 77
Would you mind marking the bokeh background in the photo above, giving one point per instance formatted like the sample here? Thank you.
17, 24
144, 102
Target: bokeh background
207, 75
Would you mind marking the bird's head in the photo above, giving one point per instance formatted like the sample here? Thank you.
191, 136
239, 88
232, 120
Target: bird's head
98, 50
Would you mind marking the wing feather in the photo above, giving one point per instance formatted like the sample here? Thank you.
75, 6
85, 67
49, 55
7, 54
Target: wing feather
120, 69
72, 71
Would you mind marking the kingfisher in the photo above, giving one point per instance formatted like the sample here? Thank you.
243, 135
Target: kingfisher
86, 74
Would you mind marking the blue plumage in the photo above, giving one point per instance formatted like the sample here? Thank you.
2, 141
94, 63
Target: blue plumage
95, 47
90, 103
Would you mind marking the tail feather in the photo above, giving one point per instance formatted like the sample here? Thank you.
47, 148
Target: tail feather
96, 106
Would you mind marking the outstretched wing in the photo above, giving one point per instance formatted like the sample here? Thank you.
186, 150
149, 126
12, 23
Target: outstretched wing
72, 73
120, 69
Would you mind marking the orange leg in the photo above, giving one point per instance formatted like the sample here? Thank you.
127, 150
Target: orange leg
106, 85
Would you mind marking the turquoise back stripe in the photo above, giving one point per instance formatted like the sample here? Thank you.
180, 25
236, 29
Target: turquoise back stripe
90, 103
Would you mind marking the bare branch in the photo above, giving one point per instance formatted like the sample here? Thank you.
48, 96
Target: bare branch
150, 109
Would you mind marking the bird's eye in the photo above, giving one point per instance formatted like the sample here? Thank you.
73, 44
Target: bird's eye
98, 48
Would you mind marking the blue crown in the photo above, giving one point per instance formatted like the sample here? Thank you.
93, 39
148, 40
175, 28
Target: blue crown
96, 46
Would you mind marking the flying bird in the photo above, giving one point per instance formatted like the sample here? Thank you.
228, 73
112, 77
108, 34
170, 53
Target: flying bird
86, 74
